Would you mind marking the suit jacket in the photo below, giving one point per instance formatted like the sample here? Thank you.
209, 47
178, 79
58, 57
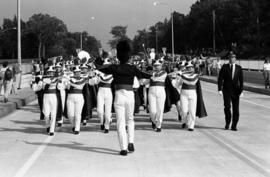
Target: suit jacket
230, 86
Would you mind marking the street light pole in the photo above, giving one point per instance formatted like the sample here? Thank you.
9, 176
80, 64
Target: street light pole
19, 32
172, 39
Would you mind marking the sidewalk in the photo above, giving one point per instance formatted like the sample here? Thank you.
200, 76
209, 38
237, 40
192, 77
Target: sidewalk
23, 97
252, 87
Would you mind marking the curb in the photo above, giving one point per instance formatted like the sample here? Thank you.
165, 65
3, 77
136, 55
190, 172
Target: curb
16, 102
247, 88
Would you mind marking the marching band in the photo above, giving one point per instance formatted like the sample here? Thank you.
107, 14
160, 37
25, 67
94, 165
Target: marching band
73, 88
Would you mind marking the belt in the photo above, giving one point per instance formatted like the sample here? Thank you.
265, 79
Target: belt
50, 91
106, 85
75, 91
188, 87
157, 83
124, 86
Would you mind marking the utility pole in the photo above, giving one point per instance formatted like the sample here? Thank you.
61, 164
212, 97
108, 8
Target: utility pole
172, 38
214, 31
19, 32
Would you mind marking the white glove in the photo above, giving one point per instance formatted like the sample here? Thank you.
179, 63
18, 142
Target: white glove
220, 93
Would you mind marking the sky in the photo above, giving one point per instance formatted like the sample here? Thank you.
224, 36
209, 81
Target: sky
98, 16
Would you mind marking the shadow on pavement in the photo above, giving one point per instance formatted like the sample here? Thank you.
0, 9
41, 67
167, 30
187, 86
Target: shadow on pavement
28, 130
36, 122
78, 146
206, 127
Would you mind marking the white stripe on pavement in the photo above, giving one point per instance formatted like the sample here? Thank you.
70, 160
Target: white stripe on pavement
33, 157
244, 100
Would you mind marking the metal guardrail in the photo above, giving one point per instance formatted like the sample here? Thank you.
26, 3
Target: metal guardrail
251, 65
15, 60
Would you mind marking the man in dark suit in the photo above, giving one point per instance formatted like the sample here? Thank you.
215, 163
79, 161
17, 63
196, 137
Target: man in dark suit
230, 85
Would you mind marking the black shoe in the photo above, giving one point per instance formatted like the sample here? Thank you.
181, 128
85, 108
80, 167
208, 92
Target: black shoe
84, 124
73, 129
59, 124
158, 129
102, 127
184, 125
123, 152
106, 131
48, 129
51, 133
76, 132
234, 129
147, 110
154, 126
131, 147
5, 100
190, 129
226, 127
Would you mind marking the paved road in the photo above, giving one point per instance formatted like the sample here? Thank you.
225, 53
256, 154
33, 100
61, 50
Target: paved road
209, 151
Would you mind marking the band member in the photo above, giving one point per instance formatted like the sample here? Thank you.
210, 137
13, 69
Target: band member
192, 103
38, 81
50, 86
157, 95
75, 100
230, 85
123, 75
59, 73
87, 109
104, 99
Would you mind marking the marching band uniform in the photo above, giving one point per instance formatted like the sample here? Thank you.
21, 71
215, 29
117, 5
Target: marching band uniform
189, 98
50, 86
59, 73
123, 75
157, 96
75, 101
104, 100
87, 110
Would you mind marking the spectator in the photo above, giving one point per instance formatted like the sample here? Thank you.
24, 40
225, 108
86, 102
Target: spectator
218, 66
16, 77
7, 81
266, 72
209, 64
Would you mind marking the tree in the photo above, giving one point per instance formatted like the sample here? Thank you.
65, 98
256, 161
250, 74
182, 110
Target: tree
48, 30
119, 33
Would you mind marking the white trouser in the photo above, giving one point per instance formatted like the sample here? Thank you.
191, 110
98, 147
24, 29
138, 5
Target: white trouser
63, 99
49, 110
104, 105
189, 105
75, 104
124, 109
7, 88
156, 98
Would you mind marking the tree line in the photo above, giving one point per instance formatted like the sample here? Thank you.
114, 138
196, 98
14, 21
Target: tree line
241, 25
43, 36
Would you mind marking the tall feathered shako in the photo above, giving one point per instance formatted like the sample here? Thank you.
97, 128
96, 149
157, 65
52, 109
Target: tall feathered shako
123, 51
